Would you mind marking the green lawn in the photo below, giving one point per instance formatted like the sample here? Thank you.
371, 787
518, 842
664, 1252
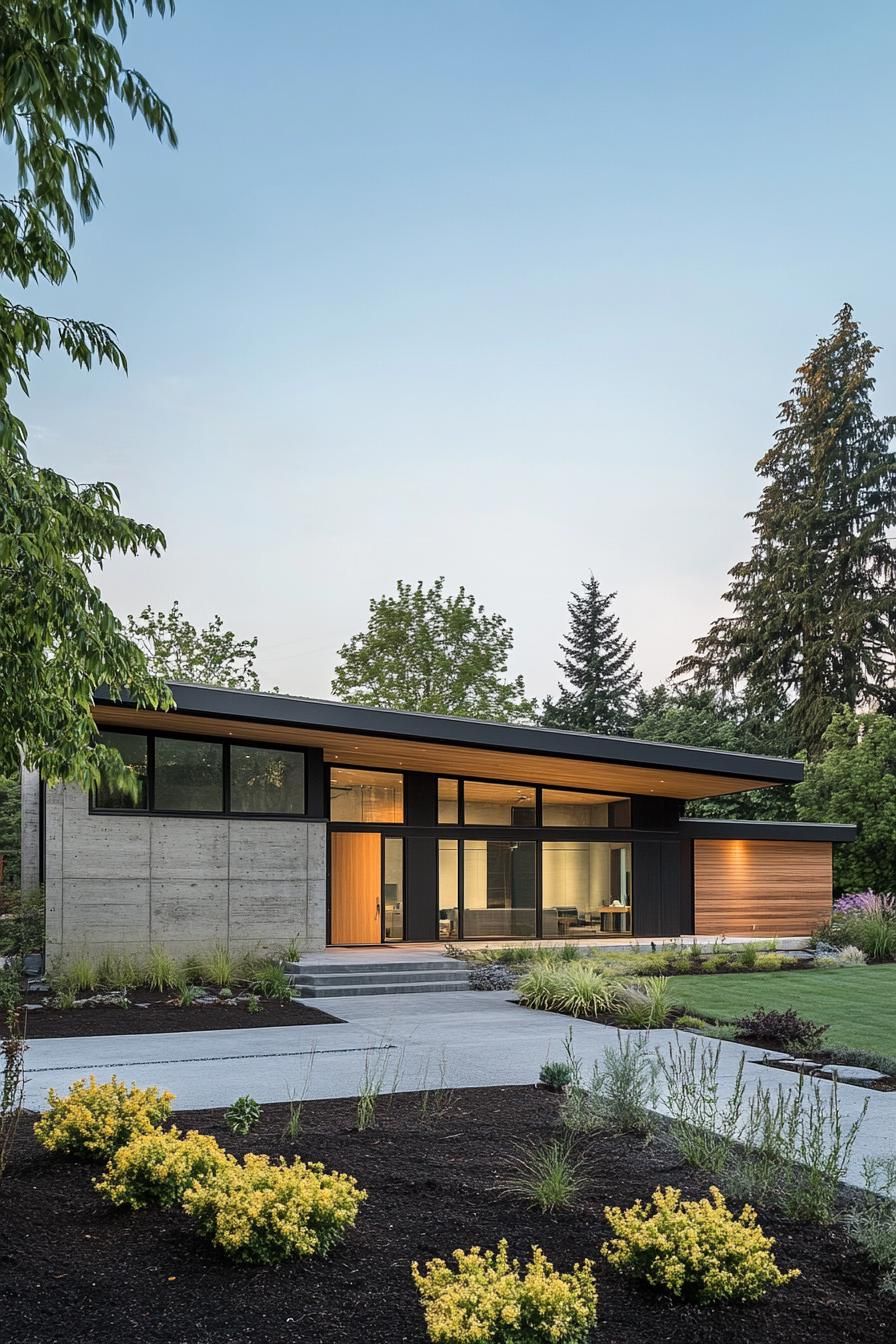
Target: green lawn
858, 1002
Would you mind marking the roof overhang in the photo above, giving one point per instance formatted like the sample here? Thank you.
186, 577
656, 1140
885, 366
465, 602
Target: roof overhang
440, 744
707, 828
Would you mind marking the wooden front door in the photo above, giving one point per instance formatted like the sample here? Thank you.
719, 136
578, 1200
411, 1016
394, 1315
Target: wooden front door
356, 887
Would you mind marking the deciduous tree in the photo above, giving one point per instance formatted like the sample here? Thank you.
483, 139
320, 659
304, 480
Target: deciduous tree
176, 650
61, 76
437, 652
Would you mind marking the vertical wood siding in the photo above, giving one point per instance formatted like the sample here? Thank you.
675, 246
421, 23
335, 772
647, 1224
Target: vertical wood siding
762, 887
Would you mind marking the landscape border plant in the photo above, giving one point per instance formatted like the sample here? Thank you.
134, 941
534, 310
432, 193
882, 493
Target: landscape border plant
94, 1119
702, 1127
694, 1249
491, 1299
263, 1212
871, 1220
158, 1167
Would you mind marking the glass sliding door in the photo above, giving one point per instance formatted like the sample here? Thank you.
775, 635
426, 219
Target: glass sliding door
499, 889
448, 891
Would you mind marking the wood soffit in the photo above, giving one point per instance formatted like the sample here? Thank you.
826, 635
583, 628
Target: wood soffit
345, 748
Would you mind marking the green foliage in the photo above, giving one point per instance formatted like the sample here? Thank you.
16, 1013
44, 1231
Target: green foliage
62, 74
177, 651
242, 1115
694, 1248
11, 830
703, 1127
217, 966
855, 781
22, 929
555, 1075
693, 716
489, 1299
546, 1175
794, 1150
577, 988
272, 982
77, 974
622, 1094
600, 678
813, 622
161, 971
646, 1003
185, 994
118, 970
434, 652
871, 1221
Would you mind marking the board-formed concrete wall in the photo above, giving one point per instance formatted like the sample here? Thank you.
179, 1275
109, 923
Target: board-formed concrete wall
128, 882
30, 830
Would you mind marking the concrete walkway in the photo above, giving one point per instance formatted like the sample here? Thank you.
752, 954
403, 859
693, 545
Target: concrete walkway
410, 1041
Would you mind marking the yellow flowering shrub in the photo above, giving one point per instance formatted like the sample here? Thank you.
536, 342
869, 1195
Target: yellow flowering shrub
263, 1211
694, 1248
489, 1300
156, 1168
95, 1119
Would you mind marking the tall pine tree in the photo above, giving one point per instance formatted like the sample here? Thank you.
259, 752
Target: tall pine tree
600, 679
813, 624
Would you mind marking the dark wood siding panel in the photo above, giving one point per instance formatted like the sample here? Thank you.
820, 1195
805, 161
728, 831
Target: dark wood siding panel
762, 887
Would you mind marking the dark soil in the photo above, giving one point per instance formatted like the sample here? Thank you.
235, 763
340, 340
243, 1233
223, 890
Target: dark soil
163, 1015
73, 1270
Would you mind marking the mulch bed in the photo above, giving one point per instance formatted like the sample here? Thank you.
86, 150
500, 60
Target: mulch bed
162, 1015
74, 1270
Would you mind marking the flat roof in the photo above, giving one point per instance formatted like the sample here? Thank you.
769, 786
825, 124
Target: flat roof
713, 828
657, 767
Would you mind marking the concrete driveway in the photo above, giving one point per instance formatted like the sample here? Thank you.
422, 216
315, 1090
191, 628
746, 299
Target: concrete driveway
409, 1041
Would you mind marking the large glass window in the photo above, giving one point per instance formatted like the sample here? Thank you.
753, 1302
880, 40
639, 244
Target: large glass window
366, 795
575, 807
133, 749
189, 775
448, 814
393, 887
265, 779
448, 898
499, 889
498, 804
586, 889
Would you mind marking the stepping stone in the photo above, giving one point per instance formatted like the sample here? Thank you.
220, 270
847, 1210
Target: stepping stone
851, 1073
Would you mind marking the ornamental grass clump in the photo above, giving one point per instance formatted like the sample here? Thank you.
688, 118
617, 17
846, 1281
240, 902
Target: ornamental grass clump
97, 1118
262, 1212
158, 1167
489, 1299
577, 988
694, 1249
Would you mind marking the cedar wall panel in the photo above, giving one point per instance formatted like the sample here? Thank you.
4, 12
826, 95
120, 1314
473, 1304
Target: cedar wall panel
742, 887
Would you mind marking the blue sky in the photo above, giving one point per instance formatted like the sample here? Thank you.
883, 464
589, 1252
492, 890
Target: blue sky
508, 290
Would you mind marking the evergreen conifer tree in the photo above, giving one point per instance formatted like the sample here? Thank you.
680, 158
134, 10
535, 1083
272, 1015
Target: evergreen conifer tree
600, 681
813, 624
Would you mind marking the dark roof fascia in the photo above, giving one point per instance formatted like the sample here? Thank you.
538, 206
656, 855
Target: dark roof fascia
446, 730
708, 828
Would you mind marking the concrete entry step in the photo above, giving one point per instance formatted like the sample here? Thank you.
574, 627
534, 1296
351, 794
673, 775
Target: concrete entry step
362, 977
347, 989
330, 980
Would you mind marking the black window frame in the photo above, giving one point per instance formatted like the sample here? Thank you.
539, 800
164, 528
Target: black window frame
150, 808
373, 770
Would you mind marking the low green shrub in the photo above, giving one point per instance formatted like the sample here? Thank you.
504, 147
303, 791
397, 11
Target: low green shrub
157, 1167
771, 961
579, 989
242, 1115
263, 1212
695, 1249
22, 930
556, 1075
545, 1174
490, 1299
95, 1119
687, 1022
